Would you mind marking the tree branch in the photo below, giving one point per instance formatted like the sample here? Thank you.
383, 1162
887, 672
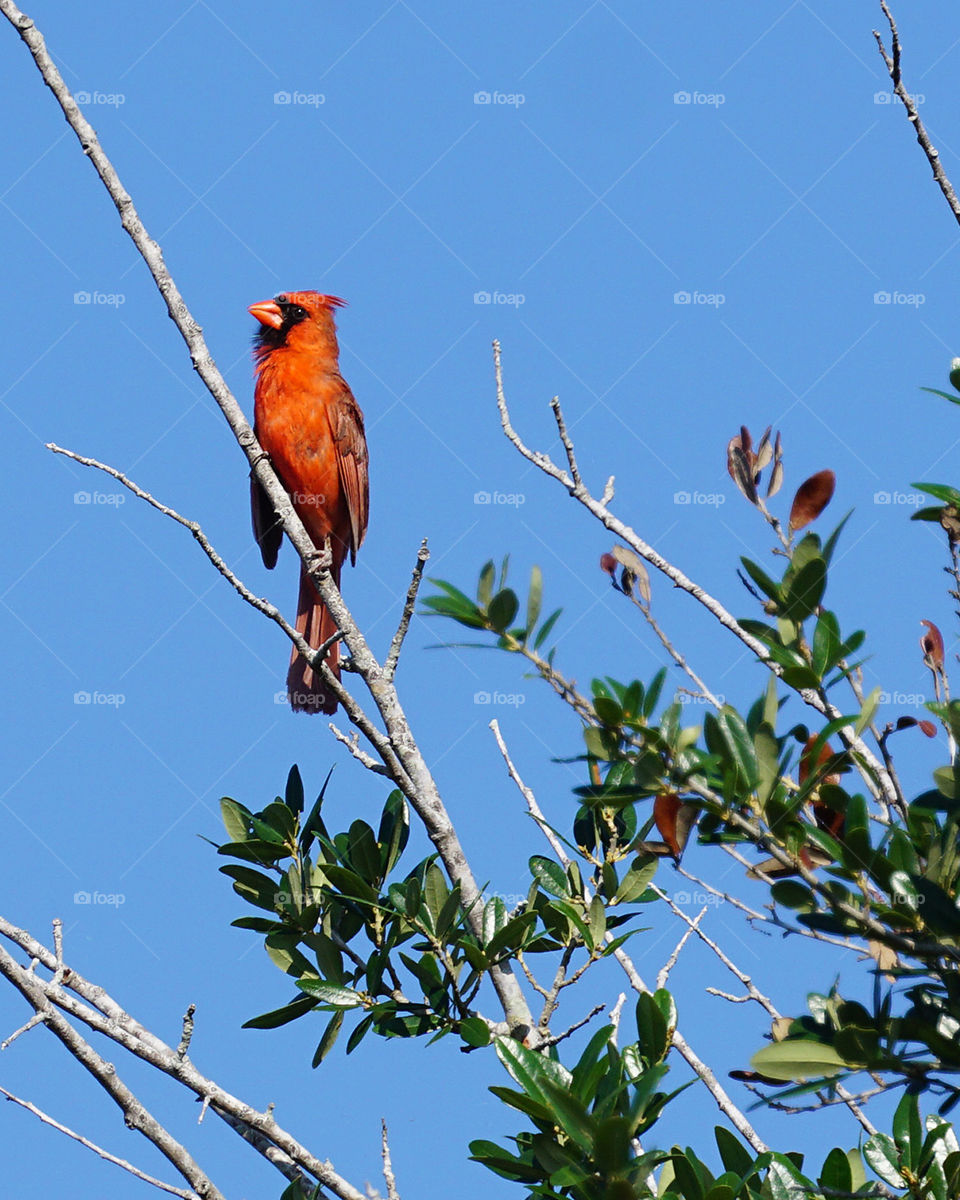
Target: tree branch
932, 154
416, 780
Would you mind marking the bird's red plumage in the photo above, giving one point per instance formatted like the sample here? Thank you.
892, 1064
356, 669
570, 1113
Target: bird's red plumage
307, 420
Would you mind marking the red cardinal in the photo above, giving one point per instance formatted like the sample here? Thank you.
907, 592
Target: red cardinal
307, 420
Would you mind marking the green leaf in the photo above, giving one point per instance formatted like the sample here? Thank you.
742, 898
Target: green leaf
330, 994
761, 579
236, 819
280, 1016
836, 1173
502, 610
805, 590
394, 831
329, 1038
550, 875
283, 952
488, 574
597, 919
293, 793
548, 1083
826, 643
907, 1131
733, 1154
940, 491
534, 600
546, 628
475, 1032
798, 1059
636, 881
867, 712
880, 1152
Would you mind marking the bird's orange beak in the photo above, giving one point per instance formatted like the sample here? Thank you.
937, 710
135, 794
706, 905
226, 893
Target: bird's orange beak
267, 312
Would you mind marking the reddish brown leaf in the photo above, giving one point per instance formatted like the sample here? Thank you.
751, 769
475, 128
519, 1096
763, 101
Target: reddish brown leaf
665, 810
813, 496
928, 728
905, 723
608, 563
674, 821
931, 643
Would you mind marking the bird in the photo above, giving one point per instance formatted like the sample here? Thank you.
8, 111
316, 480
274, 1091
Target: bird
310, 425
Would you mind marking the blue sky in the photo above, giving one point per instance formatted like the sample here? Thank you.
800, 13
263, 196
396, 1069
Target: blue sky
558, 176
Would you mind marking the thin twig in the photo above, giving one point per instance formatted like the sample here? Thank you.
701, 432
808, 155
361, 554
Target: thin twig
388, 1176
396, 645
135, 1115
870, 766
559, 1037
104, 1154
932, 154
671, 962
530, 798
414, 776
187, 1033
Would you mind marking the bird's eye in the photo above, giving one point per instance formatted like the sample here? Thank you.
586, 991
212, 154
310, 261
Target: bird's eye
296, 313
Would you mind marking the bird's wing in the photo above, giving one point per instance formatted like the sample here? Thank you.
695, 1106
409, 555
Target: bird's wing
352, 464
266, 524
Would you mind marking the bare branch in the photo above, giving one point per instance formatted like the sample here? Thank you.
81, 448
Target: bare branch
388, 1176
135, 1115
932, 154
871, 767
396, 645
98, 1010
414, 778
671, 962
559, 1037
530, 798
104, 1154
